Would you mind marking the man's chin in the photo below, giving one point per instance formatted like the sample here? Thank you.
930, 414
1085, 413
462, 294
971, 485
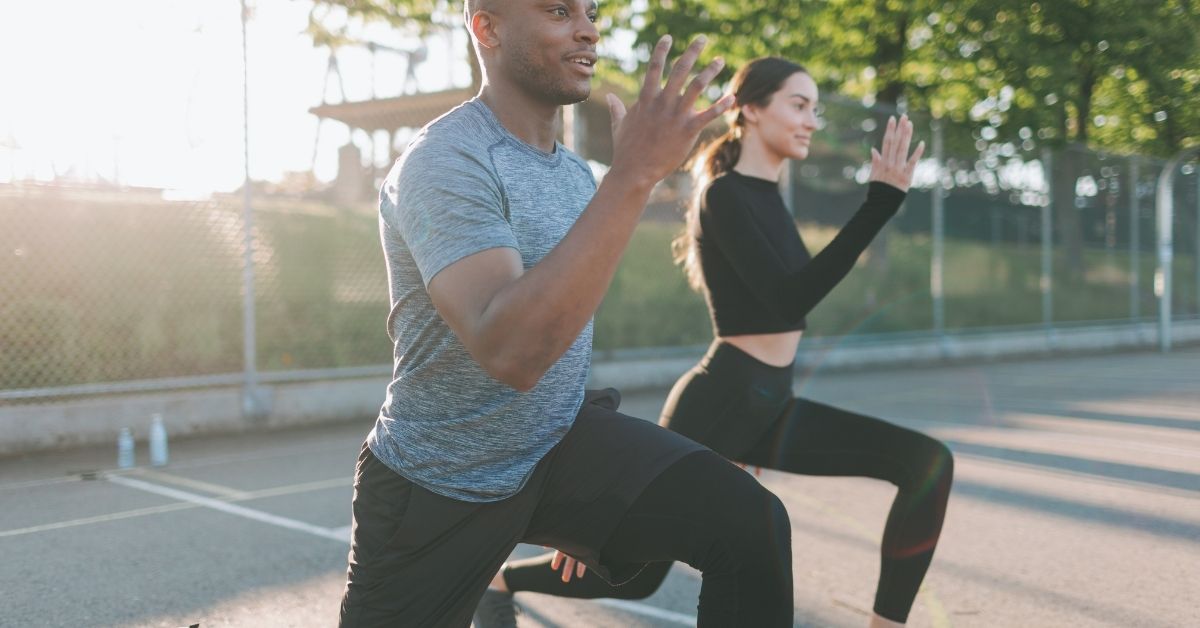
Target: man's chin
576, 96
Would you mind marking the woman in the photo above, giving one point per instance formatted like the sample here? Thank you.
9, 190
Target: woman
742, 251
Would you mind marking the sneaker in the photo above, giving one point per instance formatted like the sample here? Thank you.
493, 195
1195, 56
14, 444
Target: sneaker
496, 610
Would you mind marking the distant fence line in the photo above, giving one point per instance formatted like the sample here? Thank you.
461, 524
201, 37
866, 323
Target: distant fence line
108, 290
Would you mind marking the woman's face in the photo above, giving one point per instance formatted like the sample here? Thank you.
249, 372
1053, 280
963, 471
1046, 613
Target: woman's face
786, 125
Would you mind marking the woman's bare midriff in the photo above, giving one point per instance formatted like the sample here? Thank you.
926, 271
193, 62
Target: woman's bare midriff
774, 349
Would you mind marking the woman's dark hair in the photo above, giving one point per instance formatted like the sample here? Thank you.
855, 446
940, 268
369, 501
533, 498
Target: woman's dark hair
754, 84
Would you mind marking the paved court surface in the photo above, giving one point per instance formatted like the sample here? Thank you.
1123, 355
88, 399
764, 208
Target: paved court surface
1076, 503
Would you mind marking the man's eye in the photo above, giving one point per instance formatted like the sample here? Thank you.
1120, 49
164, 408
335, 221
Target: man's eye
593, 17
561, 12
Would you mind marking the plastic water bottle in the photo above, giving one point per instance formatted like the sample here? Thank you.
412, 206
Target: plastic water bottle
125, 449
158, 441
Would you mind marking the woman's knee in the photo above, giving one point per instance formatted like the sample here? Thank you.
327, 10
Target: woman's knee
930, 463
942, 462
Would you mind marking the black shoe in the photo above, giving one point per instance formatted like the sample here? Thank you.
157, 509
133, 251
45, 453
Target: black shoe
496, 610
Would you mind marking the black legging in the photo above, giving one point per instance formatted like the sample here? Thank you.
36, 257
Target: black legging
744, 410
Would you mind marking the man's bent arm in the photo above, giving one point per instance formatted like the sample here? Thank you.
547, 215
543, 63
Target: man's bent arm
518, 324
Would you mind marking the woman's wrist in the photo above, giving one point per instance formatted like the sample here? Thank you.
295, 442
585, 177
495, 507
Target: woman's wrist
884, 196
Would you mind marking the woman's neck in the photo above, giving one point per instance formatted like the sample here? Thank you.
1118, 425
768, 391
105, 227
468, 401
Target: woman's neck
757, 160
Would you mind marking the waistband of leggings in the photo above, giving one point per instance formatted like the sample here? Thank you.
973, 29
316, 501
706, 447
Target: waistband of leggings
725, 358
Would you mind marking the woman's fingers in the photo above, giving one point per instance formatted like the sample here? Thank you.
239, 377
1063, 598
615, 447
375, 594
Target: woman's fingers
911, 166
889, 140
568, 569
906, 133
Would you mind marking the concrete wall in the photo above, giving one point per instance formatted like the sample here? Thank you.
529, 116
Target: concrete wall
97, 420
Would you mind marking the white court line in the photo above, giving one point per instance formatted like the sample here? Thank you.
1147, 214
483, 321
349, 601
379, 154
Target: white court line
344, 531
216, 489
342, 534
98, 519
318, 485
141, 512
240, 511
38, 483
649, 611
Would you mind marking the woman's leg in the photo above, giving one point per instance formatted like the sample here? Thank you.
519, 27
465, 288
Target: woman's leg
816, 439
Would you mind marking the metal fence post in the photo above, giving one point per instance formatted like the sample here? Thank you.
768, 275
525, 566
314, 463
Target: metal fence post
1047, 281
1135, 241
1165, 215
252, 406
936, 264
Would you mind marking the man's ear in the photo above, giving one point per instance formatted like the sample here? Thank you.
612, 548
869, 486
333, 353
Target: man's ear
482, 25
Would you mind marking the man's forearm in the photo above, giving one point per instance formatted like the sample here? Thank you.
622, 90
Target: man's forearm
532, 321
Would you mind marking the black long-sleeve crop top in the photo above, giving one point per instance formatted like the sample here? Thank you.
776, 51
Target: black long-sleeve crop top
758, 276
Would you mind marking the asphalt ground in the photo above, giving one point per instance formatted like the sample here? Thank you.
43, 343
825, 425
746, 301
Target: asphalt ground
1076, 503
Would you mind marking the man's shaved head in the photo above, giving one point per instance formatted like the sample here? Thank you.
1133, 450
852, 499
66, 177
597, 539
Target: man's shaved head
472, 6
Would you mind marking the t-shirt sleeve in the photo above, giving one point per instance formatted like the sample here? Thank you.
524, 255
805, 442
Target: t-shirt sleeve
447, 204
792, 292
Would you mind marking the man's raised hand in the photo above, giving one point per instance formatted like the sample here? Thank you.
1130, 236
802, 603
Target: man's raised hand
653, 137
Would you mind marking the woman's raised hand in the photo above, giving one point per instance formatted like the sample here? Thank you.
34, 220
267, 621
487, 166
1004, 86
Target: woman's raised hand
892, 164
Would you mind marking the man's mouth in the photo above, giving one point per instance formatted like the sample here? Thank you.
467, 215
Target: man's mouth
583, 59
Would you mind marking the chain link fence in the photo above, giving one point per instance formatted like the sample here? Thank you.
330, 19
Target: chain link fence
103, 286
106, 288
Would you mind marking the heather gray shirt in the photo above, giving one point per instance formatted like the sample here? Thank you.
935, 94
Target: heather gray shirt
465, 185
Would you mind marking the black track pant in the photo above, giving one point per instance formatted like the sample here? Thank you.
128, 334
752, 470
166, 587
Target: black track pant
618, 492
744, 410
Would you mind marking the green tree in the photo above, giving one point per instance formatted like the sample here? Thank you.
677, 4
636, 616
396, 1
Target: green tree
1078, 73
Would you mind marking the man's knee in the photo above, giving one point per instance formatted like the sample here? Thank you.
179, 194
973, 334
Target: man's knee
776, 527
760, 523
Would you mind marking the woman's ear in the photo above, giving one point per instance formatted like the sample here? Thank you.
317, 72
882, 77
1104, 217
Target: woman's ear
749, 114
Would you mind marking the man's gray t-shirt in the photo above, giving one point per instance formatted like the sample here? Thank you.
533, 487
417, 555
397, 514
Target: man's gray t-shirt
464, 185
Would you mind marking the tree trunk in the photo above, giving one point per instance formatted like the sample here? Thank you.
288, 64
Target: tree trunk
1067, 166
888, 61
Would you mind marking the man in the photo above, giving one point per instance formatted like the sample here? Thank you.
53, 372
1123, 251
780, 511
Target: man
499, 248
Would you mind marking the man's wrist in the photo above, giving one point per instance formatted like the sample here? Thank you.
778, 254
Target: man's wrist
633, 180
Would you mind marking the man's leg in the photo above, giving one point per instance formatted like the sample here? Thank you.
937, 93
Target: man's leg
715, 517
420, 559
622, 492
